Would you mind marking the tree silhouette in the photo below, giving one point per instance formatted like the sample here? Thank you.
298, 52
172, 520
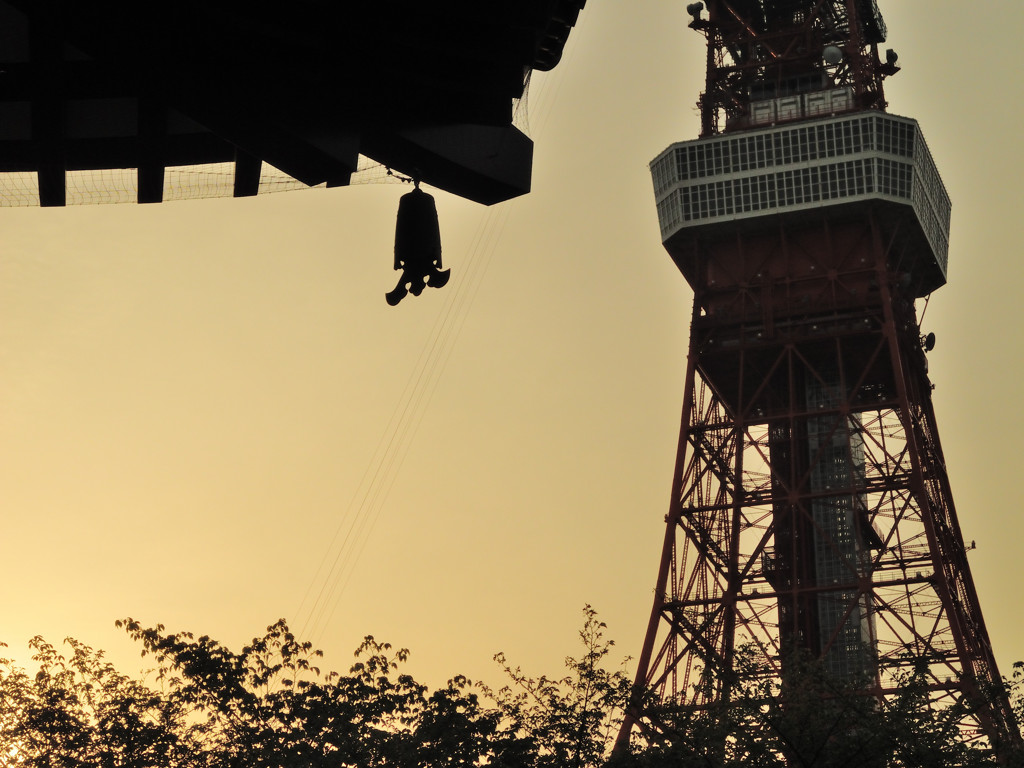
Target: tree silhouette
270, 706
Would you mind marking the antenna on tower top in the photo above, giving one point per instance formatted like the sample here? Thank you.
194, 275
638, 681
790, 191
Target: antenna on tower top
761, 51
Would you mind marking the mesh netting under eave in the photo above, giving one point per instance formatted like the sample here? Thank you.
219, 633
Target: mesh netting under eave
183, 182
19, 189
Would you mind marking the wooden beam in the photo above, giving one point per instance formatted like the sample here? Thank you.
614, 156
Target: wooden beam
152, 138
46, 58
247, 174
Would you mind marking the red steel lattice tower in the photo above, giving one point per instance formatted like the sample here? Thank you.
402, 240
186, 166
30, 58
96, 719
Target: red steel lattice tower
810, 508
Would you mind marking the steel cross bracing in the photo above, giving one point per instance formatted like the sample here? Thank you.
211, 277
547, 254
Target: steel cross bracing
811, 505
764, 49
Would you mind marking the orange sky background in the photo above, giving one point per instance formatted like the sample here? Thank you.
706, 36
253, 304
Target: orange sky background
198, 400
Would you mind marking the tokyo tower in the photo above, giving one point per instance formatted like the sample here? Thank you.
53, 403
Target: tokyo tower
811, 508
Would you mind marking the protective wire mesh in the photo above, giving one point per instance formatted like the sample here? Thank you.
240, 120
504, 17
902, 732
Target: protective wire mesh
182, 182
19, 189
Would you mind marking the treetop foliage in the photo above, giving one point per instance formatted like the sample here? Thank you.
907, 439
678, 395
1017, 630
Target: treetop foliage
271, 706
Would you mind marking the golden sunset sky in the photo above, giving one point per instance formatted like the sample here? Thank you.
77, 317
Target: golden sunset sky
210, 418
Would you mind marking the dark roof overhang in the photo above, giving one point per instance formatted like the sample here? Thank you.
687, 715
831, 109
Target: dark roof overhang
425, 88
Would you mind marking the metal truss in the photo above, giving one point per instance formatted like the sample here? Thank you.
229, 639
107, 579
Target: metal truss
781, 43
811, 507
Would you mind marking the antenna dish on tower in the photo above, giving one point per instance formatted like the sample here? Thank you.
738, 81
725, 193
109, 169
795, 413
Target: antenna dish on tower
832, 54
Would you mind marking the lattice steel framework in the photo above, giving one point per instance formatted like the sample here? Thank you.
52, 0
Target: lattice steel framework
810, 436
811, 508
760, 49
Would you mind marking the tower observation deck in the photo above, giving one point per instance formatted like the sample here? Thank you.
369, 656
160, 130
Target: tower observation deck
811, 512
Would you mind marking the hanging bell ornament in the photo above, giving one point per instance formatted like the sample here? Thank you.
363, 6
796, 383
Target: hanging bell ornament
417, 246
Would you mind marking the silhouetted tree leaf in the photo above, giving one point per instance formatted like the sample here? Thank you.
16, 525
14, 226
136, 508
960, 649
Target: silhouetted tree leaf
268, 706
